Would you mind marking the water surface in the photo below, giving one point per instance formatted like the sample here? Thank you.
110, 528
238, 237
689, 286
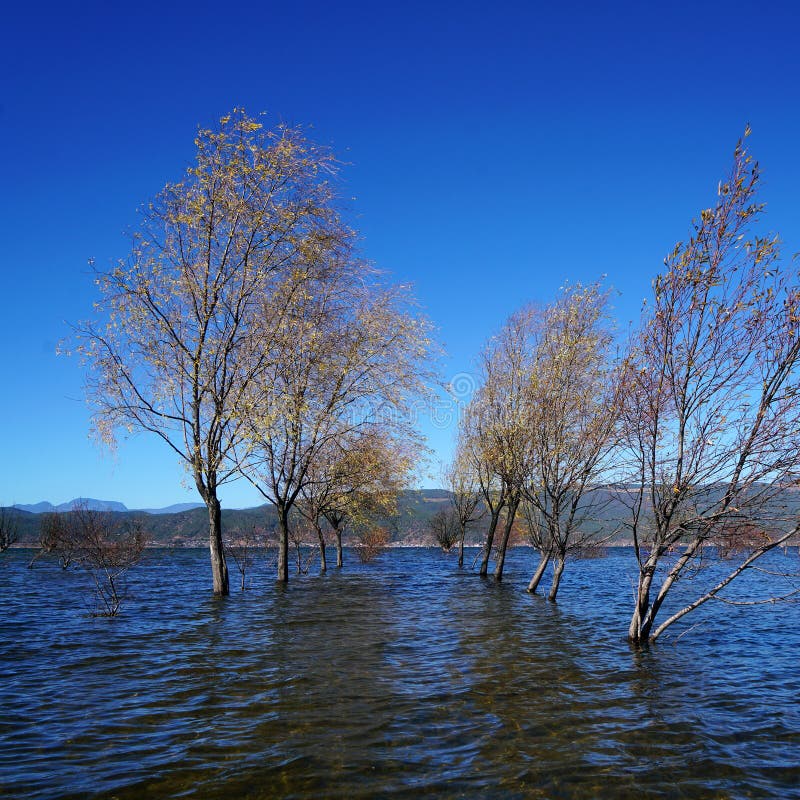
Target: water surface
402, 678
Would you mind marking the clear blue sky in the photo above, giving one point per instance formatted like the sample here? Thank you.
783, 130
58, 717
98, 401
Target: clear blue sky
496, 151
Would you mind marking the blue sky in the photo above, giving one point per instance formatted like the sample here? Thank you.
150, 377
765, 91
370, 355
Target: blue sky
495, 151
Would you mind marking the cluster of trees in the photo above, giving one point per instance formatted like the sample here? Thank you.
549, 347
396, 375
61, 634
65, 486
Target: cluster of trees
693, 430
245, 331
101, 544
537, 435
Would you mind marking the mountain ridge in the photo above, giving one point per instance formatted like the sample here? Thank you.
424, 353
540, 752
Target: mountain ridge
45, 506
189, 526
93, 504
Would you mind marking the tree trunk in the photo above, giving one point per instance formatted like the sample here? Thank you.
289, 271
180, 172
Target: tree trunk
283, 544
323, 563
537, 576
501, 555
489, 542
219, 569
461, 547
558, 570
639, 628
338, 532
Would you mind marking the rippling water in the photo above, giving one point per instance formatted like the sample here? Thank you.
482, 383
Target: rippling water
401, 678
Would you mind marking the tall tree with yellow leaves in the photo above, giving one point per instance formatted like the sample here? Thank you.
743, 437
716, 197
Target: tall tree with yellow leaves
352, 354
573, 401
172, 350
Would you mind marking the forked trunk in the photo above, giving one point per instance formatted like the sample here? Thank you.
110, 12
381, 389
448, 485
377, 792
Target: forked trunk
219, 569
489, 542
639, 629
539, 574
558, 571
501, 555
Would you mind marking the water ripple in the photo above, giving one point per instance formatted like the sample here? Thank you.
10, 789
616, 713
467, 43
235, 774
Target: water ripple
397, 679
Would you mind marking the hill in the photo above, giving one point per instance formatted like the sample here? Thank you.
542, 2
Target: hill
187, 524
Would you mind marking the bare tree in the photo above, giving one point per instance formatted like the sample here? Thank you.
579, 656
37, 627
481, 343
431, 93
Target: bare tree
712, 421
571, 416
311, 508
57, 537
175, 354
102, 544
445, 527
244, 547
107, 549
299, 533
8, 529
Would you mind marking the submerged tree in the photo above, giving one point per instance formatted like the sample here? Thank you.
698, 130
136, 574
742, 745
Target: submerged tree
712, 420
572, 413
496, 424
102, 544
8, 529
493, 491
372, 541
355, 478
352, 354
244, 546
445, 527
107, 547
174, 354
465, 493
56, 537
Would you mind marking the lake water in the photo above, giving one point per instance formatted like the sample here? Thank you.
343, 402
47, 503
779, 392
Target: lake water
397, 679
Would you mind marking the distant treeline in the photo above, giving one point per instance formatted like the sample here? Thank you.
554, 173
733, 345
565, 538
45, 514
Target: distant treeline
189, 528
411, 525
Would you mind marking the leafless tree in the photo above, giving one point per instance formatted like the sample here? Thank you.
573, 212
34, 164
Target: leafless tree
8, 529
712, 420
102, 544
244, 547
300, 531
57, 537
445, 527
372, 541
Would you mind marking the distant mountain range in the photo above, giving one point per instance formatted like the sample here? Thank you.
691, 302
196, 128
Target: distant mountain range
102, 505
187, 523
